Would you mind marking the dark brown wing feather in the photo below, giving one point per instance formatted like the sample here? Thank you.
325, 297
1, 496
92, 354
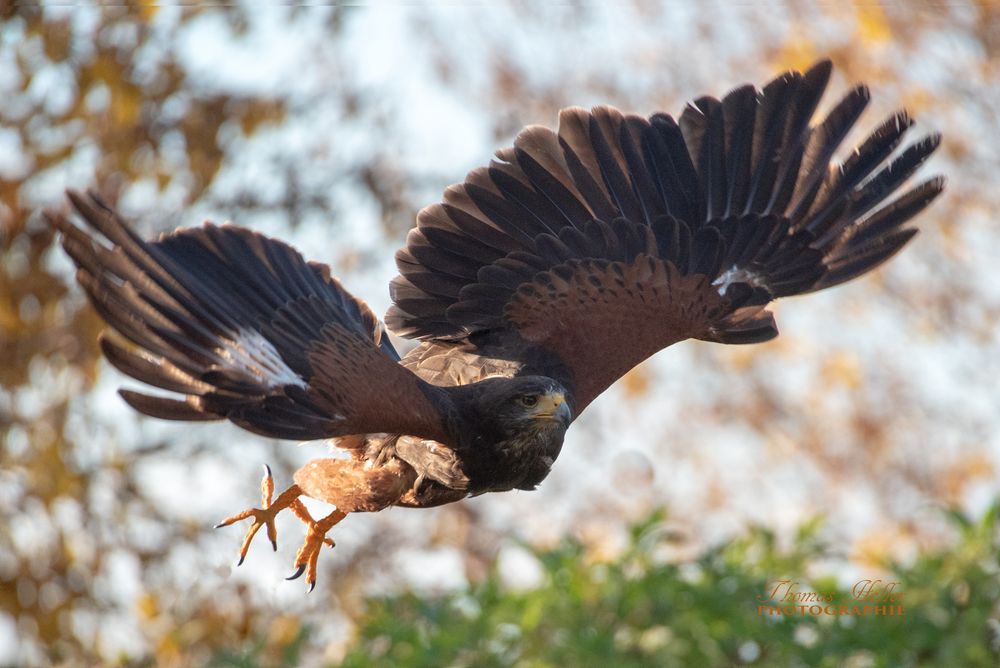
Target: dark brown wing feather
578, 253
612, 301
244, 329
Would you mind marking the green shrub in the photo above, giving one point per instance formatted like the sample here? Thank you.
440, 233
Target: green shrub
640, 611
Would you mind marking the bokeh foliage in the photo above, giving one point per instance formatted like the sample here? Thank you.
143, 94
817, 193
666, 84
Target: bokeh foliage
643, 609
103, 96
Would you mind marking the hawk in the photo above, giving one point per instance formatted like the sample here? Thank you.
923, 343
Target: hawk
531, 287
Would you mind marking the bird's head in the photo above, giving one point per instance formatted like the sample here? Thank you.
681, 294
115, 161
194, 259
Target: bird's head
510, 430
511, 407
535, 403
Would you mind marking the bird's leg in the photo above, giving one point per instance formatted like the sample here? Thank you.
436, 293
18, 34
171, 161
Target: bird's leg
264, 516
308, 554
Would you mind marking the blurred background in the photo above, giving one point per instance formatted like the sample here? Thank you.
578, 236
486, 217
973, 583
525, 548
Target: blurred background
865, 426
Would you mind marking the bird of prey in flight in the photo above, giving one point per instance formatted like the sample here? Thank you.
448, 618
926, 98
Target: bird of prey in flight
531, 287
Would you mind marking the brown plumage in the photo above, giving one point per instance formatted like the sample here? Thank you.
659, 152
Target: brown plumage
532, 287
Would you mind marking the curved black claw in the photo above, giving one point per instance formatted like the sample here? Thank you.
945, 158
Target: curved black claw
312, 585
219, 525
240, 562
298, 573
274, 545
267, 471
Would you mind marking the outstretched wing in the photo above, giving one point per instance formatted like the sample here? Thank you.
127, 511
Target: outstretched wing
579, 253
245, 329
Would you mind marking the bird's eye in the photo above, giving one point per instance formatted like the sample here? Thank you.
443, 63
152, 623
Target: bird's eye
528, 400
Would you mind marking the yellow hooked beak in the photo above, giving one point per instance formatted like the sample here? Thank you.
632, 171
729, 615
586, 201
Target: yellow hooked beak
553, 407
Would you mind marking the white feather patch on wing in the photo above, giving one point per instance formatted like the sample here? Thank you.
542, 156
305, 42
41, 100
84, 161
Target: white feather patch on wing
252, 353
736, 275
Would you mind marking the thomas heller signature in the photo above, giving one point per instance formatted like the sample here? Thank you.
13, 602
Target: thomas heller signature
868, 597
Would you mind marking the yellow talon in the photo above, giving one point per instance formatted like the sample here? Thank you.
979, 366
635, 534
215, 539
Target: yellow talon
308, 555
